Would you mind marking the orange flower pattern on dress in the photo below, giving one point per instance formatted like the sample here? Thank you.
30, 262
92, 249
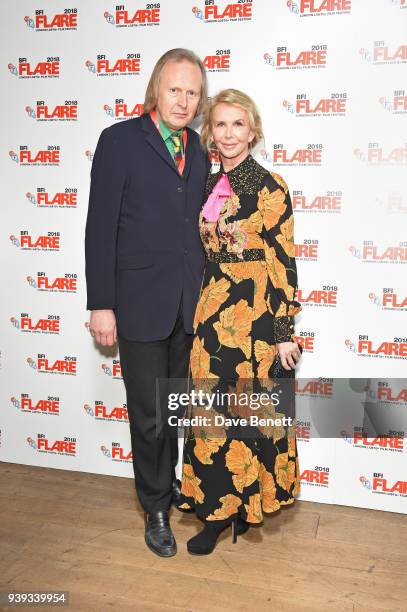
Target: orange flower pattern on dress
245, 308
280, 181
278, 273
240, 461
205, 447
212, 298
265, 354
286, 237
230, 505
234, 326
190, 484
272, 206
200, 360
253, 509
285, 471
268, 490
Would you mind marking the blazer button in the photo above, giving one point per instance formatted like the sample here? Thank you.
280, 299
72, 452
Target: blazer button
180, 189
186, 220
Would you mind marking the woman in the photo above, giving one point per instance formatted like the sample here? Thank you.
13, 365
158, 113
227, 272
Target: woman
244, 323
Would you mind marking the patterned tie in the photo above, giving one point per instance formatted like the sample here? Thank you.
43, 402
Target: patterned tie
177, 148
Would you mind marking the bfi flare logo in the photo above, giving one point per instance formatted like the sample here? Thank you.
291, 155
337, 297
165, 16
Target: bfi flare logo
42, 111
42, 21
101, 412
318, 8
68, 283
307, 340
49, 405
380, 484
303, 431
393, 443
379, 53
323, 297
114, 371
222, 11
329, 202
307, 250
372, 253
27, 156
41, 197
43, 69
333, 105
317, 387
27, 324
378, 349
116, 452
51, 241
122, 17
66, 446
285, 58
310, 155
395, 103
375, 154
319, 476
121, 109
219, 61
41, 364
130, 65
389, 299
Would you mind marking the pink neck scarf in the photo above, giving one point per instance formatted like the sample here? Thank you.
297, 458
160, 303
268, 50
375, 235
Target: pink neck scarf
213, 205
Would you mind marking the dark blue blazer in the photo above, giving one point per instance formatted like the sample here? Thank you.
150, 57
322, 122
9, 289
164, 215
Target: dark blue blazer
142, 245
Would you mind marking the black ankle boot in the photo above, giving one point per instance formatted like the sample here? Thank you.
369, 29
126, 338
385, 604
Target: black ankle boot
205, 541
242, 526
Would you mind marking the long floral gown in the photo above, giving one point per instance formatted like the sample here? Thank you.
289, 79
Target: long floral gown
246, 306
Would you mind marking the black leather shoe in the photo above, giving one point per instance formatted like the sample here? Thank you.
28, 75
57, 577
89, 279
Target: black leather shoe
176, 497
158, 535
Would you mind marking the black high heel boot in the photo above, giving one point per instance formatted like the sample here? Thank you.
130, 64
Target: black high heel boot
242, 526
205, 541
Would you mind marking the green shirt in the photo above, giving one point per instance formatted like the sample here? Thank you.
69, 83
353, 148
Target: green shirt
166, 134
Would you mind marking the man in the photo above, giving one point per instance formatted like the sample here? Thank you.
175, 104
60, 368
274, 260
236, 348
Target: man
144, 264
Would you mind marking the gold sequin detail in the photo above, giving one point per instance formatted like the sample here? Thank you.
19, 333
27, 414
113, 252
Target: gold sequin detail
246, 178
246, 255
283, 328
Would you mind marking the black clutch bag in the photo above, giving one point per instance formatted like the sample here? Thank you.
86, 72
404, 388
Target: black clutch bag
277, 370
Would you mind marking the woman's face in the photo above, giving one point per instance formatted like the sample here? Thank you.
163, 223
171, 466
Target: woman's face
231, 132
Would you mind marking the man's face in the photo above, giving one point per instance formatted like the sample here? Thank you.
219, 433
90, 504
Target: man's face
179, 91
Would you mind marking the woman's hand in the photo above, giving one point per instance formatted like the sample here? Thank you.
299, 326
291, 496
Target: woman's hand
289, 354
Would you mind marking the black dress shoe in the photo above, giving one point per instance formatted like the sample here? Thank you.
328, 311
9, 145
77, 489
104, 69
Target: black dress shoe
176, 497
158, 535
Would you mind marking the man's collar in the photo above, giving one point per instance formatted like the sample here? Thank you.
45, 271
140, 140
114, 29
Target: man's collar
166, 132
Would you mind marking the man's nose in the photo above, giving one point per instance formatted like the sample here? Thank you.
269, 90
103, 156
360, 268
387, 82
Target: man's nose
182, 99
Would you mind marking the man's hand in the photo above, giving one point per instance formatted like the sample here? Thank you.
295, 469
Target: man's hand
102, 327
289, 354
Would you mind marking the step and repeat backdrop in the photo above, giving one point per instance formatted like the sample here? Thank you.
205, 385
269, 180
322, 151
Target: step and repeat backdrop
330, 80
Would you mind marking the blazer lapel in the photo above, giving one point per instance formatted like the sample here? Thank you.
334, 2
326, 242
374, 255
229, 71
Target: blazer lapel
154, 138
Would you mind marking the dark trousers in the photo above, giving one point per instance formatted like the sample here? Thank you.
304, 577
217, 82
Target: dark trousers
154, 456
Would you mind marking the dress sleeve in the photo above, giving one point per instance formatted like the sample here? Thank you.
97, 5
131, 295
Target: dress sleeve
274, 204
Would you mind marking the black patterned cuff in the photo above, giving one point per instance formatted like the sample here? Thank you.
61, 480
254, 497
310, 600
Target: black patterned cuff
283, 329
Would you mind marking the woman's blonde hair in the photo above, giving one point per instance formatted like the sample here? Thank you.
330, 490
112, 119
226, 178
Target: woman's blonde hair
237, 98
174, 55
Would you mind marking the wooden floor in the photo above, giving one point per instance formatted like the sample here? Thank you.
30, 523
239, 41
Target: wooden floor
84, 533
